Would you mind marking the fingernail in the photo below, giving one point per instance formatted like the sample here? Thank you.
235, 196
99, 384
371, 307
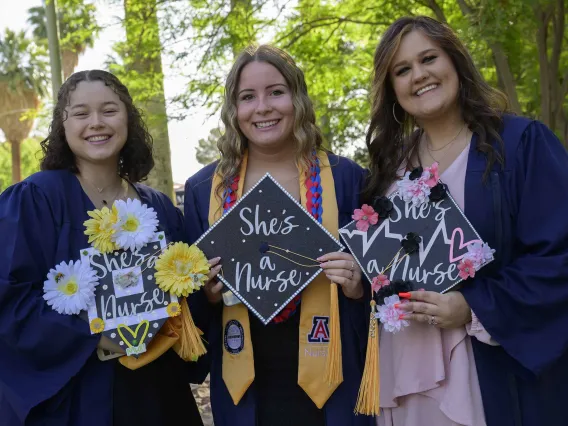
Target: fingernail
401, 316
404, 295
319, 258
421, 289
396, 305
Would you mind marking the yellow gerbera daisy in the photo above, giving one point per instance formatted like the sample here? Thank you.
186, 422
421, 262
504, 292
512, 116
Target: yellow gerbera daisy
100, 229
97, 325
181, 269
173, 309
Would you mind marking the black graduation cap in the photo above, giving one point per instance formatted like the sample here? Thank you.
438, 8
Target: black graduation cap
127, 298
268, 244
436, 235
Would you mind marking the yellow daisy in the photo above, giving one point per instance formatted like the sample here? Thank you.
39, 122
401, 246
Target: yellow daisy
100, 229
181, 269
97, 325
173, 309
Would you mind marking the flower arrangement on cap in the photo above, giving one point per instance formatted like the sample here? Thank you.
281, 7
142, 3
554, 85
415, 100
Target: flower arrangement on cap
417, 187
129, 225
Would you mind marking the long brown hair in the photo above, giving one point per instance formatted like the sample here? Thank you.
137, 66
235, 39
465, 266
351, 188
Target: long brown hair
136, 160
390, 142
233, 142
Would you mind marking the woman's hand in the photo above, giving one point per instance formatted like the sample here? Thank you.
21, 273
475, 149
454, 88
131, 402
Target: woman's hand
342, 269
449, 310
213, 286
108, 345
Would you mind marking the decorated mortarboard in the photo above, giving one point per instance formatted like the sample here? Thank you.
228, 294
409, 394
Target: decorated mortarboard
269, 245
418, 238
129, 306
127, 284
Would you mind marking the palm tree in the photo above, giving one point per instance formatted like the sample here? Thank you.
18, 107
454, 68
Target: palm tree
77, 30
23, 79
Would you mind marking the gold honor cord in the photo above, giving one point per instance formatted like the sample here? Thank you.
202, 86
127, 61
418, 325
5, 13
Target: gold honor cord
268, 248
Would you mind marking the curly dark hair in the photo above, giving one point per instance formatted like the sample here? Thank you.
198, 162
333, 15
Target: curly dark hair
389, 142
136, 159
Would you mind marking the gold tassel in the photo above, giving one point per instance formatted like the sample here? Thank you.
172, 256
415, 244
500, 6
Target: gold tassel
368, 398
189, 346
334, 366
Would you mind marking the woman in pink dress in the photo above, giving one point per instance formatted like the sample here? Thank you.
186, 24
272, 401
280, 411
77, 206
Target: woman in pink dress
470, 357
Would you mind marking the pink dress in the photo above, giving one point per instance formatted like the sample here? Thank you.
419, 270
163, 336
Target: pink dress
428, 375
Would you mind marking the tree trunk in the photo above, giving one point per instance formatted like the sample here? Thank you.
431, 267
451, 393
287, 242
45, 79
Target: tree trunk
432, 4
506, 76
69, 60
145, 59
501, 65
541, 45
16, 161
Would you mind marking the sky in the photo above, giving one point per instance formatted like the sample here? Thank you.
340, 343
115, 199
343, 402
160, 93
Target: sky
184, 135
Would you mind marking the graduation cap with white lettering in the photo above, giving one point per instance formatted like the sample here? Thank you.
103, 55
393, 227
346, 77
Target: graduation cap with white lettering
418, 237
129, 306
269, 245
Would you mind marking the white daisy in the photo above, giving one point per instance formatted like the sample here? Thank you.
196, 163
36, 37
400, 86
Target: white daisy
70, 288
136, 224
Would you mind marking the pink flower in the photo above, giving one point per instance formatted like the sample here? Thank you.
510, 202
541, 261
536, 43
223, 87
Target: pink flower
467, 269
413, 191
479, 254
379, 282
365, 216
390, 316
430, 175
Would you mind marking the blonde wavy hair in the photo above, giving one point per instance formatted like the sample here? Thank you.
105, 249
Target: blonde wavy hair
233, 143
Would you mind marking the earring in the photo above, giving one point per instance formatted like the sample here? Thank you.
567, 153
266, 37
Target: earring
394, 114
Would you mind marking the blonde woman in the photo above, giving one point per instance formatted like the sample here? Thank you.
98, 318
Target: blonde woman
270, 127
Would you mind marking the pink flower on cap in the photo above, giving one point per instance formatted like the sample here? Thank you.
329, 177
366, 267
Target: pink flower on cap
365, 216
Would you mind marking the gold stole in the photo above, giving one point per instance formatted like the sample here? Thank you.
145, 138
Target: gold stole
238, 368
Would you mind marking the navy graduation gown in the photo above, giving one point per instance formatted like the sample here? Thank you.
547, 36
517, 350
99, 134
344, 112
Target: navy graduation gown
338, 410
522, 298
50, 374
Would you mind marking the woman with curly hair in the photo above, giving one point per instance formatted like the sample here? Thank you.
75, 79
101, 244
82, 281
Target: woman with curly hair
97, 152
495, 350
270, 381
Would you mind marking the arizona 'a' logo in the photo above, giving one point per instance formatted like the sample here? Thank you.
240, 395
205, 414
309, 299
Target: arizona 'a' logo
320, 330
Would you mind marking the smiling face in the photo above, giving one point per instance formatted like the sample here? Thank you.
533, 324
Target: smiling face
424, 78
265, 112
96, 126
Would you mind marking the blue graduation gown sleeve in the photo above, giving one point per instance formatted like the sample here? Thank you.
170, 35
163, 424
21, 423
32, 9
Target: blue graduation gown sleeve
40, 350
521, 297
524, 304
196, 212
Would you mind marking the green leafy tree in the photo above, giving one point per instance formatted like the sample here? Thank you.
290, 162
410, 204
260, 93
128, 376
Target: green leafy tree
519, 46
23, 80
207, 151
141, 71
78, 30
30, 152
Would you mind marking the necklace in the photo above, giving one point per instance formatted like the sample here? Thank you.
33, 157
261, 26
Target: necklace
444, 155
428, 142
105, 200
